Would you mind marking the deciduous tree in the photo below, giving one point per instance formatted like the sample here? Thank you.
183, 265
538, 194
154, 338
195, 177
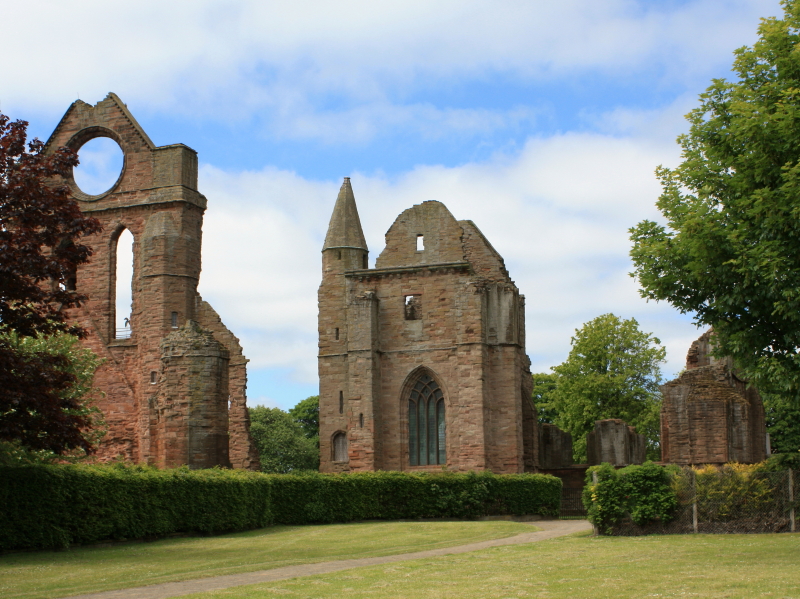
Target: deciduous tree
306, 413
613, 371
40, 229
282, 444
730, 251
544, 385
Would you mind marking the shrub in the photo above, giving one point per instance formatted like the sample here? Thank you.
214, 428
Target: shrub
641, 492
731, 492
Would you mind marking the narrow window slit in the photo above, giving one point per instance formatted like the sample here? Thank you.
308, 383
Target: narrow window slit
420, 242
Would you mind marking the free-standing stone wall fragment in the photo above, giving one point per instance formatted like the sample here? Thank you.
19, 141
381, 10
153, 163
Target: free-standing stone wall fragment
156, 199
615, 442
709, 415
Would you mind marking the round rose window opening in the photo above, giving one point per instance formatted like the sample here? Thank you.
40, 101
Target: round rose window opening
101, 162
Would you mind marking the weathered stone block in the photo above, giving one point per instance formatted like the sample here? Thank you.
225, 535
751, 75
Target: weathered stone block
555, 447
615, 442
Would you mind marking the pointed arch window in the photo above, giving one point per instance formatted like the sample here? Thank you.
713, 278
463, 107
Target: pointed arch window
426, 423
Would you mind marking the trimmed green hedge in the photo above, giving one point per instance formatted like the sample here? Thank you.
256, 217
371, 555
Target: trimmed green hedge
55, 506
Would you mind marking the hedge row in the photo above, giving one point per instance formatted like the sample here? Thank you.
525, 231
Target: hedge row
55, 506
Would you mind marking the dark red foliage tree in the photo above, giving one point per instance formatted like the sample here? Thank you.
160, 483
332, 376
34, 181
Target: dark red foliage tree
40, 229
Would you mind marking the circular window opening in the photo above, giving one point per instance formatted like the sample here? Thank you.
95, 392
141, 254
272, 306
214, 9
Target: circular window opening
101, 161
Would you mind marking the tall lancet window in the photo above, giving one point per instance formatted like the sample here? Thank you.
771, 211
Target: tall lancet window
426, 428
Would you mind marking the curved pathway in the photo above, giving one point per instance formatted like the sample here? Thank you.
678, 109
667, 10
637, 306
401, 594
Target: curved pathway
550, 530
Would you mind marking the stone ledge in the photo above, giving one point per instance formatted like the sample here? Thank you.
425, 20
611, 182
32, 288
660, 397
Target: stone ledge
402, 270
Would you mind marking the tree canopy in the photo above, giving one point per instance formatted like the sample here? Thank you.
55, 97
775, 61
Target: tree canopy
306, 413
40, 229
544, 385
282, 444
730, 251
613, 371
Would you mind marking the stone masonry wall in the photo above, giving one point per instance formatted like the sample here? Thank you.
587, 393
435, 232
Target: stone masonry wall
555, 447
466, 332
613, 441
709, 415
156, 199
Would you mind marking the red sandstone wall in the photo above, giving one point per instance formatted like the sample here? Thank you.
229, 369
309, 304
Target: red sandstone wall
156, 199
469, 337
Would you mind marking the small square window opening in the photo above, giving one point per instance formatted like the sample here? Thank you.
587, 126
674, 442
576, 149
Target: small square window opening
413, 307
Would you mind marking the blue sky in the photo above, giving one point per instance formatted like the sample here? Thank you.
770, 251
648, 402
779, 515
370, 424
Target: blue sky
541, 121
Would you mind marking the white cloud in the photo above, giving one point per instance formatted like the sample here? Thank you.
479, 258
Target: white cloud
558, 212
306, 64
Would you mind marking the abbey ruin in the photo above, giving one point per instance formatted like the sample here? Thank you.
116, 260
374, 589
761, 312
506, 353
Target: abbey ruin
422, 359
174, 383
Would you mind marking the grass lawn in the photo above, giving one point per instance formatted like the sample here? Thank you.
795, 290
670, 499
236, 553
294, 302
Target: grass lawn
577, 567
91, 569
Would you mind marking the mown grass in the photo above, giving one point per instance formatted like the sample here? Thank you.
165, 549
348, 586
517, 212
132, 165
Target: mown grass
91, 569
579, 566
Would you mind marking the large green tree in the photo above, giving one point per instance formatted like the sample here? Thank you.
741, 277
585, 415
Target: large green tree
544, 385
613, 371
730, 251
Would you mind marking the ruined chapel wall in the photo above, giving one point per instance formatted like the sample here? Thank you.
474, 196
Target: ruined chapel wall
156, 199
486, 263
709, 415
447, 309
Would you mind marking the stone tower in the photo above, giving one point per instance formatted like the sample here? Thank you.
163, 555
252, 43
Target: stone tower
422, 359
156, 199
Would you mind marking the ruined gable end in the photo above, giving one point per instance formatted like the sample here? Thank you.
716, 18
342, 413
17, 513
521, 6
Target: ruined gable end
422, 359
156, 199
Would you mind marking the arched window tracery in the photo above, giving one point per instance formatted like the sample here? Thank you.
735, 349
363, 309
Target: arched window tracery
426, 423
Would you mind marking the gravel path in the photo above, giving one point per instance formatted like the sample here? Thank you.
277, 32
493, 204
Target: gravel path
550, 530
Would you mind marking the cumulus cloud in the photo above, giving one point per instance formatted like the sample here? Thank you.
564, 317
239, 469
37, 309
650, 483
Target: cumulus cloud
299, 65
558, 212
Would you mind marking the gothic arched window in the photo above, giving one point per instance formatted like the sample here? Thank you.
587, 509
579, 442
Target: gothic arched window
426, 431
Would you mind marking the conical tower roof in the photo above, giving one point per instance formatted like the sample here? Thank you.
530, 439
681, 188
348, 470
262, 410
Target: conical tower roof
345, 230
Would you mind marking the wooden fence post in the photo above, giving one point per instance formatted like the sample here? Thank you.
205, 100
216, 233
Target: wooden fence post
791, 501
595, 530
694, 500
